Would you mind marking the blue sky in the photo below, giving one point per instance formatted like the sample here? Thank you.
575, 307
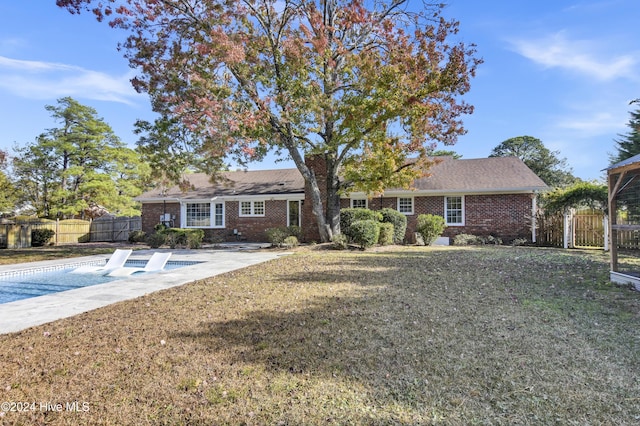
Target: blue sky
561, 71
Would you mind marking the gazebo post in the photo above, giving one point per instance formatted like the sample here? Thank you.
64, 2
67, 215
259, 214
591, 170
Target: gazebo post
613, 234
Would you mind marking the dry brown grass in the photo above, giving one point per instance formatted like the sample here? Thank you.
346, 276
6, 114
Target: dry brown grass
489, 335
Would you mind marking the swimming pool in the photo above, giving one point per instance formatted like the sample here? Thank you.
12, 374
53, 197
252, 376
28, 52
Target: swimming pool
27, 283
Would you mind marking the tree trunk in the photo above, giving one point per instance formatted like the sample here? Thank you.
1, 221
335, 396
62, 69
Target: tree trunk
325, 205
332, 213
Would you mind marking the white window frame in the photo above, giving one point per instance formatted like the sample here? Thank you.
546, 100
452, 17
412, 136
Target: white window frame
366, 203
254, 208
300, 204
412, 205
446, 210
213, 215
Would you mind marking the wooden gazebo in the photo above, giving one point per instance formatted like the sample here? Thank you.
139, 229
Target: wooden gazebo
624, 218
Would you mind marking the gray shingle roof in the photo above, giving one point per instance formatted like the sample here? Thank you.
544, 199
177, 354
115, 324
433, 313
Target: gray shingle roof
258, 182
480, 174
499, 174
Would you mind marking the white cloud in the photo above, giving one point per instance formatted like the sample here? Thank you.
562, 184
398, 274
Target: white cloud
598, 123
46, 80
582, 56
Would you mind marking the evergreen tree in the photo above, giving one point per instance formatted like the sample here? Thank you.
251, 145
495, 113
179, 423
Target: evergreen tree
7, 190
545, 163
78, 165
629, 145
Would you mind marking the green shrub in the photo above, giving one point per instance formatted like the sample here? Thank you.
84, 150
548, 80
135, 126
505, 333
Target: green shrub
195, 238
365, 233
294, 231
340, 242
430, 227
493, 240
160, 227
466, 240
276, 236
176, 238
137, 237
386, 233
156, 240
399, 222
291, 241
180, 237
519, 242
41, 237
350, 215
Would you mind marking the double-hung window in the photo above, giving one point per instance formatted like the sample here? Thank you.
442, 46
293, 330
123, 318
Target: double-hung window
405, 205
359, 203
252, 208
454, 210
204, 215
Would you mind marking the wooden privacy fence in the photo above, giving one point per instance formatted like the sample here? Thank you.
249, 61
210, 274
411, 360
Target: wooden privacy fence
71, 231
15, 236
115, 228
581, 229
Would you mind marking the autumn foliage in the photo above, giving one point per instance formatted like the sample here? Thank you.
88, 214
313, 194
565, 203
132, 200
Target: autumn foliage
369, 85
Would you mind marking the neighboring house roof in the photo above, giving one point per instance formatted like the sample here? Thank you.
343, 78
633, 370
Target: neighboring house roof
496, 174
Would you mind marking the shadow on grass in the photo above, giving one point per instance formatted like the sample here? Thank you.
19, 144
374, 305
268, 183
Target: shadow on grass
466, 335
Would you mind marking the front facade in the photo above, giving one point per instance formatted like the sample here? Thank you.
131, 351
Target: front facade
489, 196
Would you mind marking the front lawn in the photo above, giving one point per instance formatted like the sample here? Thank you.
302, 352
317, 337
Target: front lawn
404, 335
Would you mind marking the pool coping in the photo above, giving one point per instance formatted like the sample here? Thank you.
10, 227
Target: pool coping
22, 314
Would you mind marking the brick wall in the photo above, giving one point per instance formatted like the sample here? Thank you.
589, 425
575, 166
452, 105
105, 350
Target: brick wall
253, 228
151, 214
504, 216
250, 228
507, 216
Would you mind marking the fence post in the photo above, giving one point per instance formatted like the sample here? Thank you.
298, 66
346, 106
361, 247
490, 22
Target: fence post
57, 230
605, 224
567, 230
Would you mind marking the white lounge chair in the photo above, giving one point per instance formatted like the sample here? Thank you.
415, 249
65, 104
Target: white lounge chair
117, 260
154, 264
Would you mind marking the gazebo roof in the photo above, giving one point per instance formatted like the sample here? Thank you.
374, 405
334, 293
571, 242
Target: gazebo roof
624, 163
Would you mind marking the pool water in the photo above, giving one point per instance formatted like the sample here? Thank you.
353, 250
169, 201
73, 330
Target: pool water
32, 283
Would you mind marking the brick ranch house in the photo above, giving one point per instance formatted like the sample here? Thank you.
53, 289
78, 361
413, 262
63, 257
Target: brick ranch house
484, 196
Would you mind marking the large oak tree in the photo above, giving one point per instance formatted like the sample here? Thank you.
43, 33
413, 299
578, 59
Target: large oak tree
367, 85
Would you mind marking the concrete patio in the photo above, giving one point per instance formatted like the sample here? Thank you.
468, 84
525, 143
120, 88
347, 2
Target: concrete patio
22, 314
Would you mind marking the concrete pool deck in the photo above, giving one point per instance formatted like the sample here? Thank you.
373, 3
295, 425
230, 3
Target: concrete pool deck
22, 314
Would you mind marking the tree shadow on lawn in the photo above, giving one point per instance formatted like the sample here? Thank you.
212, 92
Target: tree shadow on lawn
422, 335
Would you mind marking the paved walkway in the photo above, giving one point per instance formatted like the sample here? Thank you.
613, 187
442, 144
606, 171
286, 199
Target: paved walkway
22, 314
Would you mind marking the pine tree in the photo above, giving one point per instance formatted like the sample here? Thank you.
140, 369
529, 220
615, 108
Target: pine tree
629, 145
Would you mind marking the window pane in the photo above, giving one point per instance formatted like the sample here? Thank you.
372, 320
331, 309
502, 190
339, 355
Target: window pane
405, 205
218, 214
359, 204
198, 214
258, 208
454, 209
245, 208
294, 213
